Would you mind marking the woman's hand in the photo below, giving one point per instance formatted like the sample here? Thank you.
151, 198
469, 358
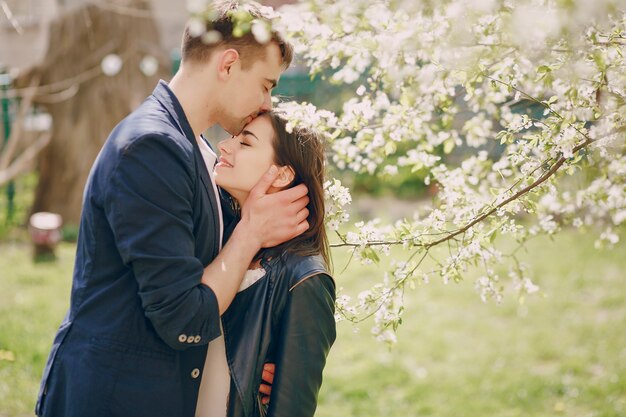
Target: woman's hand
268, 376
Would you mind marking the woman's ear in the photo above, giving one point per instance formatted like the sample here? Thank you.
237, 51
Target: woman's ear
286, 175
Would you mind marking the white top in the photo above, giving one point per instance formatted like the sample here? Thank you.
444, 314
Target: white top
215, 384
251, 276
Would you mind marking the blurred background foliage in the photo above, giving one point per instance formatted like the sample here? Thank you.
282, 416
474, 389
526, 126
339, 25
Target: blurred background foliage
562, 353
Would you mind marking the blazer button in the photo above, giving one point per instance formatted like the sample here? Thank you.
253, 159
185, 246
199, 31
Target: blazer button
197, 339
190, 339
182, 338
195, 373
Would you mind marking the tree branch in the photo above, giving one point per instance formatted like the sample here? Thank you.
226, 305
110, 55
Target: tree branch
24, 162
9, 14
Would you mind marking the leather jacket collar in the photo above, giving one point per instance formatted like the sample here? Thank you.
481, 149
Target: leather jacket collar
262, 316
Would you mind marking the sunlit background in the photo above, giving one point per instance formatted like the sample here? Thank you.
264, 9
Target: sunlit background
70, 70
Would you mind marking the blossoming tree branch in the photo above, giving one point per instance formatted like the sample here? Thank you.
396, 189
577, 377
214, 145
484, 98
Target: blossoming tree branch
515, 110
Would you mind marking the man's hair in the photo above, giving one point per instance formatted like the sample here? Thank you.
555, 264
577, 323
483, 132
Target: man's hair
196, 49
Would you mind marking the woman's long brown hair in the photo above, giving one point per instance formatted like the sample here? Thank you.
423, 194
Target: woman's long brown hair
303, 150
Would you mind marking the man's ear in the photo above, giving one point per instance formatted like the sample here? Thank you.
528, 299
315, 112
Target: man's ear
285, 177
228, 59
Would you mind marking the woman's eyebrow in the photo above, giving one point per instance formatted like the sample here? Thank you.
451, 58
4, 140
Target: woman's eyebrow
247, 132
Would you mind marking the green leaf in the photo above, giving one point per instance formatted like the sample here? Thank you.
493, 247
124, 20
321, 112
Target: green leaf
335, 134
371, 254
238, 32
390, 148
448, 146
417, 167
507, 137
577, 158
405, 100
599, 60
493, 236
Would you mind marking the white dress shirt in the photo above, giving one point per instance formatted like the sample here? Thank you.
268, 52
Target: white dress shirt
215, 383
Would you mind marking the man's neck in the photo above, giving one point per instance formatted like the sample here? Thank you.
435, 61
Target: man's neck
193, 102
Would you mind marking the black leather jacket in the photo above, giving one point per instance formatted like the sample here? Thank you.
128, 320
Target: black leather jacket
287, 317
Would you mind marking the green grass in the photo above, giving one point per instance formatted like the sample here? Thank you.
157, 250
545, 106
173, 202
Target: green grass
33, 301
24, 188
562, 353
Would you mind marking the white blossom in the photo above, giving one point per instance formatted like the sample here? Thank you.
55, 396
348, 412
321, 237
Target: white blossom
481, 107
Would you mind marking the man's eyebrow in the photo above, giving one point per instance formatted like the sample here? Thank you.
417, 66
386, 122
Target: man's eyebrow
247, 132
273, 81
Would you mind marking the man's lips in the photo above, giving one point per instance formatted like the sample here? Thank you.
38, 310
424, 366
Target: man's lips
222, 162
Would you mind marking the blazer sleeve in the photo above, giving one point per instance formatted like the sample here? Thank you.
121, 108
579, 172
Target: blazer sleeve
149, 205
307, 333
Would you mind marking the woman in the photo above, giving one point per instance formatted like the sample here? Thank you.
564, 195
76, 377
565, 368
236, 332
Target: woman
284, 311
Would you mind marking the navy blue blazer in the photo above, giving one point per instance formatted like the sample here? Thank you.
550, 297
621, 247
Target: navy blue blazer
134, 340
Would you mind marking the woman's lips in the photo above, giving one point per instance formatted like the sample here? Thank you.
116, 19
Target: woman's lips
222, 162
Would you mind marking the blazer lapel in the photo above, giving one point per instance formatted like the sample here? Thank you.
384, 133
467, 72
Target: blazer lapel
203, 170
167, 98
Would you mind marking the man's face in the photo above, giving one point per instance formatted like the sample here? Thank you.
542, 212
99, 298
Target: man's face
248, 92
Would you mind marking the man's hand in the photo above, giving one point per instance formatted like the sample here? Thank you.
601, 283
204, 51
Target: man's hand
268, 376
266, 220
275, 218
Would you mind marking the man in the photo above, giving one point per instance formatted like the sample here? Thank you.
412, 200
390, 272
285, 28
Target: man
150, 281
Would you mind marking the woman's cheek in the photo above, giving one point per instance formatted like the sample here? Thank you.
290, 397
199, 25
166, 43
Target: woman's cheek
259, 171
256, 177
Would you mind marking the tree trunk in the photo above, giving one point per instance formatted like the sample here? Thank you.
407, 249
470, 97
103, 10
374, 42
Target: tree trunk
85, 110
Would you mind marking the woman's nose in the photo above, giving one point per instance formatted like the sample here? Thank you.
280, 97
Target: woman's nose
223, 146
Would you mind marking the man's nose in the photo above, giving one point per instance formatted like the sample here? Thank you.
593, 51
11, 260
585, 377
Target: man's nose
267, 103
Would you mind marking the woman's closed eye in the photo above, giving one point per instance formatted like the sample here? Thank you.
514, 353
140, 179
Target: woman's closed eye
244, 144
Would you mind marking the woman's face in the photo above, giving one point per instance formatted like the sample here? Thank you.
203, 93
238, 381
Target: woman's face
245, 158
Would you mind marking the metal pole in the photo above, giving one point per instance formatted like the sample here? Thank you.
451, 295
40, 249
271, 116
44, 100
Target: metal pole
5, 83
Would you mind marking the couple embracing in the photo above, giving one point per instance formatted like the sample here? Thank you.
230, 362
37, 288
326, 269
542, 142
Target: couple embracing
201, 285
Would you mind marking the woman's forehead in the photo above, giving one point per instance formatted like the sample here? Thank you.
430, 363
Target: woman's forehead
261, 127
